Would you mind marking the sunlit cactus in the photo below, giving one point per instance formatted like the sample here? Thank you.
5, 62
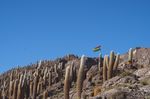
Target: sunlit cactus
111, 63
11, 84
15, 89
116, 62
19, 91
35, 87
100, 62
130, 55
80, 77
105, 68
39, 64
31, 88
67, 83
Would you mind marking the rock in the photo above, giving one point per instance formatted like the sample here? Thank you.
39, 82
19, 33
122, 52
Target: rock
143, 56
142, 72
91, 72
126, 81
145, 89
97, 90
111, 94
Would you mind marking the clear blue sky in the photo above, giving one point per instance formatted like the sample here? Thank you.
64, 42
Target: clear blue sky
31, 30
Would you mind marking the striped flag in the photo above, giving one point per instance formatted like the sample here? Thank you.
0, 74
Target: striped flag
96, 49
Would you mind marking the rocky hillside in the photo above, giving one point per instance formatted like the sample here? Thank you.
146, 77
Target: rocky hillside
113, 76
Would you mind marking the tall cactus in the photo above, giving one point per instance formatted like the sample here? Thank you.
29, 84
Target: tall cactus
67, 83
50, 78
80, 77
72, 73
3, 90
116, 61
130, 55
55, 68
35, 87
100, 62
31, 88
39, 64
111, 63
15, 89
11, 84
19, 88
104, 69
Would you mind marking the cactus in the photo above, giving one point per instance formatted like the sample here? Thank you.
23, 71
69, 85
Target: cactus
31, 88
67, 83
55, 68
19, 91
107, 61
11, 84
72, 73
105, 68
40, 85
3, 90
100, 62
50, 78
39, 64
11, 76
19, 88
80, 77
44, 81
116, 62
15, 89
35, 87
130, 55
111, 63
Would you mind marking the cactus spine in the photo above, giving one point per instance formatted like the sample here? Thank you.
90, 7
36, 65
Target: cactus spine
80, 77
67, 83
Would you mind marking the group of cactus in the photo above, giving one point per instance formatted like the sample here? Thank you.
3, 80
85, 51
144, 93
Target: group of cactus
68, 79
108, 65
29, 84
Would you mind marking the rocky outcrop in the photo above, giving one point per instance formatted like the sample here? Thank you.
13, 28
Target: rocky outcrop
45, 79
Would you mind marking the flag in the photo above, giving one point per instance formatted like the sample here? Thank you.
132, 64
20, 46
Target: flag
96, 49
